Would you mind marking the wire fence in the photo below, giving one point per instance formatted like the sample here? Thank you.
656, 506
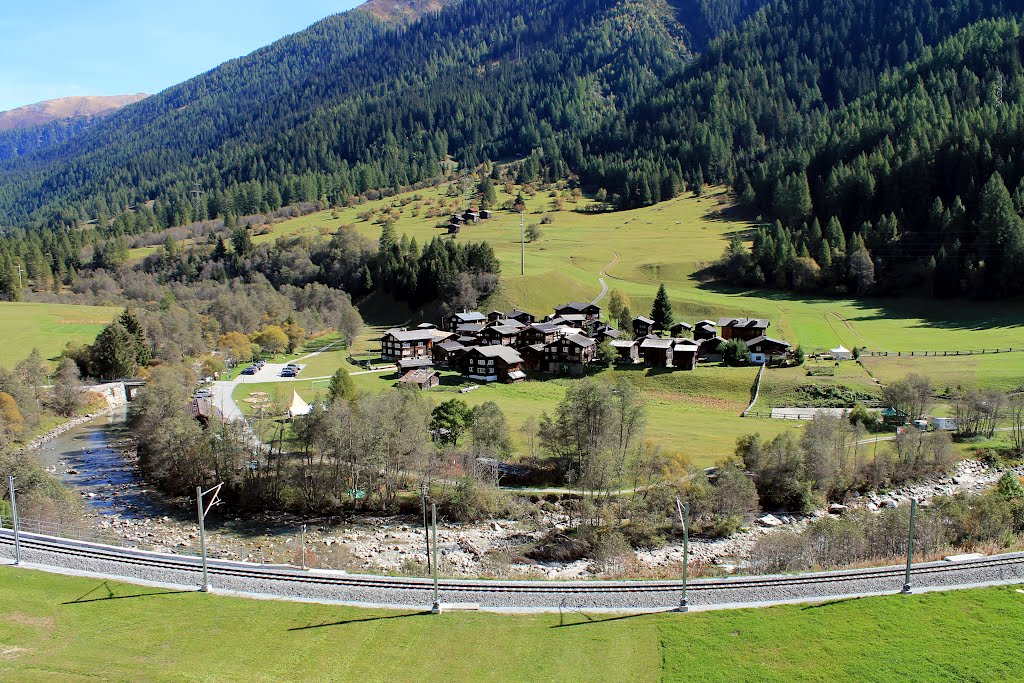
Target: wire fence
82, 530
968, 352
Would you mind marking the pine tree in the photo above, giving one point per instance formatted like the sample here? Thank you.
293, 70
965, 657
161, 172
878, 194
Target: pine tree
661, 311
341, 386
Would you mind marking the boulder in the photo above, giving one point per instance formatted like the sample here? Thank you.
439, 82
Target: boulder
769, 521
837, 509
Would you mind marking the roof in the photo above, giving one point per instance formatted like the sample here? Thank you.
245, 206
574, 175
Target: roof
706, 323
685, 326
505, 353
574, 317
451, 346
543, 327
743, 322
410, 335
407, 363
712, 341
580, 340
656, 343
515, 313
623, 343
642, 319
686, 342
517, 374
839, 349
469, 316
418, 376
502, 329
684, 348
763, 339
470, 328
611, 333
576, 306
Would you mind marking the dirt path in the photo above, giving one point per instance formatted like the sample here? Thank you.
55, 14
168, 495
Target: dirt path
604, 273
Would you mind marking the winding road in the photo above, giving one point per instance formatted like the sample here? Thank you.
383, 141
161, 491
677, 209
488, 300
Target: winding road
604, 273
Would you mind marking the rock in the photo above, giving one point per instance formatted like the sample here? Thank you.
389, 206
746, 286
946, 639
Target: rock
837, 509
871, 507
889, 503
769, 521
495, 526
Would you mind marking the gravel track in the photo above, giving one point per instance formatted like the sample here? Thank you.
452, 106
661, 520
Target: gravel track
277, 581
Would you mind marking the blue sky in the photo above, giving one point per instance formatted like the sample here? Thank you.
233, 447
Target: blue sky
57, 48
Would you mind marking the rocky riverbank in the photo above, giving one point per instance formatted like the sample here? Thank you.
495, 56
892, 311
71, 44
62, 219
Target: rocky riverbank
114, 399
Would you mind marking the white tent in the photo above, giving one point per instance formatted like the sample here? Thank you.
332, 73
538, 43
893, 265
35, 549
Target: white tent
298, 406
841, 353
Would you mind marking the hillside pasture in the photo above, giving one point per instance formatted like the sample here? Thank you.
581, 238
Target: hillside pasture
49, 328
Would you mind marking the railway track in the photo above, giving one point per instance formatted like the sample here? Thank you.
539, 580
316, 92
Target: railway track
291, 582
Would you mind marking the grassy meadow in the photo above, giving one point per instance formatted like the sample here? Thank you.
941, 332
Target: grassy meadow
47, 327
77, 629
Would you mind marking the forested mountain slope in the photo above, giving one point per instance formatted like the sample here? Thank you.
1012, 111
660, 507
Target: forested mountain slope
355, 103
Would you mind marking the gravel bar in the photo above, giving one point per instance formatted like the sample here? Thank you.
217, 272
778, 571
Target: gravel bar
286, 582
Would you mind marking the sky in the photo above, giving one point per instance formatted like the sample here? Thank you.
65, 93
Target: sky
59, 48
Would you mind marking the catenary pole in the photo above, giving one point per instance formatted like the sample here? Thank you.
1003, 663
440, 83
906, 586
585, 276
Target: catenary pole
684, 517
436, 607
910, 544
15, 522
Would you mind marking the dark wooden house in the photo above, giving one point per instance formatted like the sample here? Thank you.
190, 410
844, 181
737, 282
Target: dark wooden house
684, 354
569, 355
447, 354
743, 328
642, 326
493, 364
656, 352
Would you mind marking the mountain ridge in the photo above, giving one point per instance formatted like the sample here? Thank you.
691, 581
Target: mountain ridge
72, 107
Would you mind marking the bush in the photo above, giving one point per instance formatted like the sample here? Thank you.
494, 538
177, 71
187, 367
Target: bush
470, 501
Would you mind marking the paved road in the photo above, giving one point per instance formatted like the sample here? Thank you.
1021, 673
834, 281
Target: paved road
604, 272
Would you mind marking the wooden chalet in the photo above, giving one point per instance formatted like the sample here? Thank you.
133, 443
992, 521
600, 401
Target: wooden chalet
767, 350
522, 316
589, 311
465, 318
657, 352
420, 378
495, 316
539, 333
447, 354
398, 344
486, 213
493, 364
743, 328
603, 332
569, 355
642, 327
502, 335
454, 228
628, 351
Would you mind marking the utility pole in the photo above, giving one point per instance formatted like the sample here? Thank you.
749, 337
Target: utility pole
684, 517
214, 499
436, 607
15, 523
910, 545
18, 266
426, 528
302, 545
522, 243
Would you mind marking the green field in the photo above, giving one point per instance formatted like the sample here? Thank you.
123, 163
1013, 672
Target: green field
48, 327
75, 629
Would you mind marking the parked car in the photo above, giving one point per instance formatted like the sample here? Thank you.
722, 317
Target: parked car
203, 393
287, 372
251, 370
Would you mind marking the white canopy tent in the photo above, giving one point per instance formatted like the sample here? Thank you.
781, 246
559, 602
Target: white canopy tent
298, 407
841, 353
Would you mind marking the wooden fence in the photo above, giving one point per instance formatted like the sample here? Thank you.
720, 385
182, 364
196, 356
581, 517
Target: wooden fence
969, 352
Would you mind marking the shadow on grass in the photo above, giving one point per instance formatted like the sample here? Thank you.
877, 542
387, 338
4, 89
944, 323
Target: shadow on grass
590, 621
83, 599
356, 621
830, 603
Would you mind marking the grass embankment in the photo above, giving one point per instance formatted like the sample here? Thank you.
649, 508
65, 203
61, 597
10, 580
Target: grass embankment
48, 327
79, 629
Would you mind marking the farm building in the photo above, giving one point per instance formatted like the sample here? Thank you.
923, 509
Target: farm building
454, 228
628, 350
684, 354
521, 316
421, 378
407, 364
539, 333
743, 328
642, 326
493, 364
709, 349
767, 350
657, 352
680, 328
603, 332
705, 329
486, 213
948, 424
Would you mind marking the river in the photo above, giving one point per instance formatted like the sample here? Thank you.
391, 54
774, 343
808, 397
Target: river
90, 459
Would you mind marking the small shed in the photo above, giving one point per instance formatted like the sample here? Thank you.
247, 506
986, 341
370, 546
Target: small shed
421, 378
628, 350
407, 364
485, 213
